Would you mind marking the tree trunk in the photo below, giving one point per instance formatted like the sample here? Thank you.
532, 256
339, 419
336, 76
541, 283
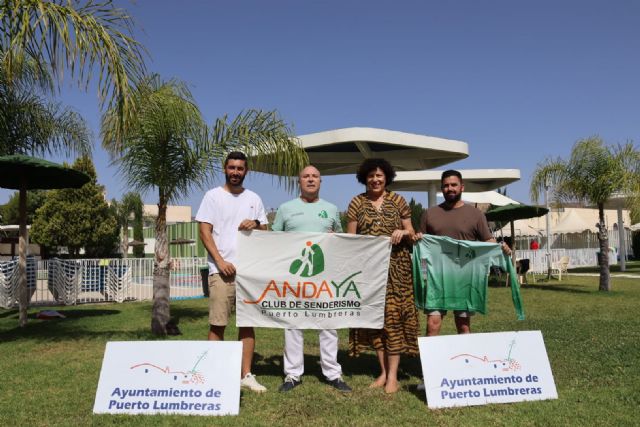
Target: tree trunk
603, 256
23, 295
138, 251
161, 314
125, 240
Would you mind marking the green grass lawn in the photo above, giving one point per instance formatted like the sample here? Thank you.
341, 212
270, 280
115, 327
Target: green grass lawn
50, 369
631, 267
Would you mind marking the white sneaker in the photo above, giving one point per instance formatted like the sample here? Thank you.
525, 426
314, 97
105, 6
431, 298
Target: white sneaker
249, 381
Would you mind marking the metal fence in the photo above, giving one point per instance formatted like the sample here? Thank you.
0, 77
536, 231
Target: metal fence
68, 282
585, 257
586, 240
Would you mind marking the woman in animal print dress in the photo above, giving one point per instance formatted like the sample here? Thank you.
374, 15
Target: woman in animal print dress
379, 212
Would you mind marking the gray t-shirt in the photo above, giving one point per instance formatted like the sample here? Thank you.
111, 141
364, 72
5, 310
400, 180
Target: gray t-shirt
463, 223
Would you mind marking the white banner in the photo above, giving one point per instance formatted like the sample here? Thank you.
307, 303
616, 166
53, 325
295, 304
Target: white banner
170, 377
311, 280
476, 369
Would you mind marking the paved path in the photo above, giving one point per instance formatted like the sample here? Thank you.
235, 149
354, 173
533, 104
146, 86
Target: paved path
625, 275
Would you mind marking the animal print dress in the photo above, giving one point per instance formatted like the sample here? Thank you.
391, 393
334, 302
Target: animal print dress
400, 332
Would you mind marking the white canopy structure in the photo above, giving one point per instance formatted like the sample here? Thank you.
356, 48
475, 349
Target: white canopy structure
340, 151
618, 201
572, 222
488, 197
475, 180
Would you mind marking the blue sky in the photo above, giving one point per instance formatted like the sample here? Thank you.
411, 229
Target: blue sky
517, 81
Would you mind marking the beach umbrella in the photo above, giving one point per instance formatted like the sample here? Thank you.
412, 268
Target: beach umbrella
24, 173
511, 213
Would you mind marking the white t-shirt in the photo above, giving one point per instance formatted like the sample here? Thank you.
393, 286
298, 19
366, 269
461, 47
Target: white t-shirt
225, 211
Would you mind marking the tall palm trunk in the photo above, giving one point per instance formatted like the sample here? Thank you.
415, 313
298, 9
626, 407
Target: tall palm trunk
138, 251
124, 244
23, 294
603, 256
160, 314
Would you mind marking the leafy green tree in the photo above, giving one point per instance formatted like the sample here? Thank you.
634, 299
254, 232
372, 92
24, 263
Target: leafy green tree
344, 220
138, 227
416, 213
168, 148
635, 244
77, 218
10, 212
79, 38
129, 207
593, 174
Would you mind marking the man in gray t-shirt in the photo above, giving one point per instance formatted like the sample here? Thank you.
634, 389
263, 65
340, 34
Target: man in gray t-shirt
452, 218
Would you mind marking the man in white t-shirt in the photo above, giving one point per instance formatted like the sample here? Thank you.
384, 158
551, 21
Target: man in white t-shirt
225, 210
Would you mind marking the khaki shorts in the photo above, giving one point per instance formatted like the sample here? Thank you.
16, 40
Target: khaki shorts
222, 299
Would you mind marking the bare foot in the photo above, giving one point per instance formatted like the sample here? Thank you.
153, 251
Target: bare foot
391, 386
379, 382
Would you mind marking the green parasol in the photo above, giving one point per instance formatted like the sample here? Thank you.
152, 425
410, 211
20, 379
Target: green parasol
24, 173
511, 213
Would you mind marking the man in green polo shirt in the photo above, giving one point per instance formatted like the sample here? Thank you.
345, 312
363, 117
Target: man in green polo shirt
311, 214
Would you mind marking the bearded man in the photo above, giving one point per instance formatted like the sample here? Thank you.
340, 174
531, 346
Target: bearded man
225, 210
457, 220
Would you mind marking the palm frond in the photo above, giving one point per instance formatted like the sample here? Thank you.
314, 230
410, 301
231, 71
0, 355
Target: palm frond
550, 173
64, 36
265, 138
165, 142
31, 124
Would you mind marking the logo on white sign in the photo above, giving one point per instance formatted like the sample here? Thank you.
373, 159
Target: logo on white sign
183, 377
476, 369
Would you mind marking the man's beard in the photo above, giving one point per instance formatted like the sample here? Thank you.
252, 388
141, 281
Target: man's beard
453, 199
228, 180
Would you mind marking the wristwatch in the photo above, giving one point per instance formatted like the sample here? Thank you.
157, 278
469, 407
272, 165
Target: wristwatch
257, 223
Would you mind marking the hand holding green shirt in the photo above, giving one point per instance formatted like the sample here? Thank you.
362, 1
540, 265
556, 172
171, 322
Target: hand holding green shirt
457, 273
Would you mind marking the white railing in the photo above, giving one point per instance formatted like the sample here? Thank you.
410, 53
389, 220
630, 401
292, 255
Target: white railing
9, 281
68, 282
586, 240
586, 257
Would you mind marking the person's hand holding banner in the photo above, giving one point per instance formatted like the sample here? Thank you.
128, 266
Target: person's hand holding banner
311, 280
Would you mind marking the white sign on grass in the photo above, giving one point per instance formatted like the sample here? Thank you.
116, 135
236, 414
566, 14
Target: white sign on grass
311, 280
170, 377
476, 369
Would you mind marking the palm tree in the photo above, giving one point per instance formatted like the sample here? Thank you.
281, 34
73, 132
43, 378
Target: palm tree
593, 174
30, 123
168, 148
130, 205
66, 36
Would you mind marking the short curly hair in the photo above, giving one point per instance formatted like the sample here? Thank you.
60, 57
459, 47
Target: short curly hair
372, 164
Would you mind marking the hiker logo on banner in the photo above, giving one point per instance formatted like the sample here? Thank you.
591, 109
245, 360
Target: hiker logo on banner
311, 280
